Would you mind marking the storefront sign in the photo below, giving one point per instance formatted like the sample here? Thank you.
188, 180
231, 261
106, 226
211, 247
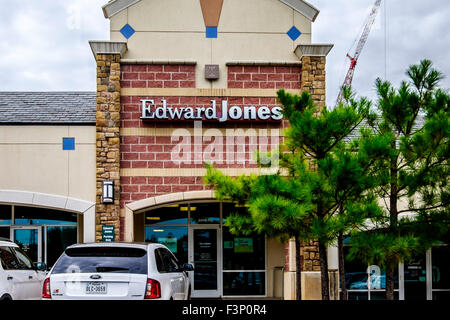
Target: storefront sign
151, 112
107, 233
243, 245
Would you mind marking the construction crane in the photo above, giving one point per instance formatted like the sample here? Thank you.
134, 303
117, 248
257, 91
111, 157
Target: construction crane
362, 41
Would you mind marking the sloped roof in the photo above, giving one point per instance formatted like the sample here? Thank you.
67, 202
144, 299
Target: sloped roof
309, 11
48, 107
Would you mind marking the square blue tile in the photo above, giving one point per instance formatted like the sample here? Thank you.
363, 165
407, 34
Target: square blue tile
211, 32
68, 143
294, 33
127, 31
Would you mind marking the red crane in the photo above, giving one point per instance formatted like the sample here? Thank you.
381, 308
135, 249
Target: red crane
362, 41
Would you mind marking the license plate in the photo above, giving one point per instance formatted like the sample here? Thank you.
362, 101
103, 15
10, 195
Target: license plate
96, 288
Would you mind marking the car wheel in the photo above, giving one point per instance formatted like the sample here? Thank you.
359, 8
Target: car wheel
5, 297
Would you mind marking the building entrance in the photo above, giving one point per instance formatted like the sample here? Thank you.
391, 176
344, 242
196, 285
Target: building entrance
29, 240
204, 255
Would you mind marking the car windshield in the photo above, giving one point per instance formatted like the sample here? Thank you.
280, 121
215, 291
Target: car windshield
102, 259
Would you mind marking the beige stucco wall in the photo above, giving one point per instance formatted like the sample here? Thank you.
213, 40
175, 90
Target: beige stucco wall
250, 30
32, 160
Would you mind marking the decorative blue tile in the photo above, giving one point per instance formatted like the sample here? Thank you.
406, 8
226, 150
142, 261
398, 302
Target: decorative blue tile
68, 143
211, 32
294, 33
127, 31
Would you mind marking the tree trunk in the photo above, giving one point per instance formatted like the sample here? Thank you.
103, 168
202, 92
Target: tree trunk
342, 267
390, 273
393, 221
324, 272
298, 270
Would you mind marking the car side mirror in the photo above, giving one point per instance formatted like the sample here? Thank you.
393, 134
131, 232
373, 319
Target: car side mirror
188, 267
40, 266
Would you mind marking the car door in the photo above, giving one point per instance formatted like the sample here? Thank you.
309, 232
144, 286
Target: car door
14, 277
177, 277
30, 279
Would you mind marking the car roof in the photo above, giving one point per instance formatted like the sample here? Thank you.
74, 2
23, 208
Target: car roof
142, 245
7, 242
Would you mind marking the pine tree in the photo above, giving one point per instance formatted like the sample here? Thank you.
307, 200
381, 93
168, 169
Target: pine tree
319, 175
413, 131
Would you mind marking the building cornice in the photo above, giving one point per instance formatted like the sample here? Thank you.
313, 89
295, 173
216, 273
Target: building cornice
108, 47
309, 11
313, 50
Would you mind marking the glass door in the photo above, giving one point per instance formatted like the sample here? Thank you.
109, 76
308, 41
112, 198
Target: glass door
415, 282
29, 240
204, 256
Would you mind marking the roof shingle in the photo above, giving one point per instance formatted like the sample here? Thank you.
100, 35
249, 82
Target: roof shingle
47, 107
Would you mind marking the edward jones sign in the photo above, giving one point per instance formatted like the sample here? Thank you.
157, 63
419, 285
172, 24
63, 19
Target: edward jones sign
163, 112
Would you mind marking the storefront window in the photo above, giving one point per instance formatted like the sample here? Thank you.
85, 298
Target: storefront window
170, 215
365, 282
4, 232
204, 213
174, 238
243, 252
40, 216
58, 239
229, 208
243, 283
5, 215
441, 272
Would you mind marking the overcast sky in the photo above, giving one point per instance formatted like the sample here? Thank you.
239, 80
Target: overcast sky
45, 47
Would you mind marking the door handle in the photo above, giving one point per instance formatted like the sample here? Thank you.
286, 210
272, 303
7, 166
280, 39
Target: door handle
9, 278
30, 277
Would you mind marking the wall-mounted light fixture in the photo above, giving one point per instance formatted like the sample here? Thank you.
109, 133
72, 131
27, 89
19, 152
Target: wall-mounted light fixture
107, 191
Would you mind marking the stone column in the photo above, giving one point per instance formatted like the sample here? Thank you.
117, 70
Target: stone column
313, 80
107, 56
313, 58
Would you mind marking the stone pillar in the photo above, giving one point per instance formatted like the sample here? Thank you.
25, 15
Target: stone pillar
108, 56
313, 78
313, 58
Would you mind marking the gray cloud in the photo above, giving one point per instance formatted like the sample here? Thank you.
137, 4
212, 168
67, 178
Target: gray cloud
45, 43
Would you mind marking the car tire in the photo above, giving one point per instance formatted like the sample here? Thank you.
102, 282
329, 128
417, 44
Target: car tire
5, 297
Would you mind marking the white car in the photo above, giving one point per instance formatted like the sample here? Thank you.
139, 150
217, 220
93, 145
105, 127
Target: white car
129, 271
20, 278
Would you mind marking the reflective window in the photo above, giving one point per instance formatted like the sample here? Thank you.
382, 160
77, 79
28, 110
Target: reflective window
58, 239
102, 259
203, 213
4, 232
172, 214
241, 252
415, 278
243, 283
441, 267
205, 259
165, 261
5, 215
8, 259
365, 282
40, 216
174, 238
24, 262
229, 208
27, 239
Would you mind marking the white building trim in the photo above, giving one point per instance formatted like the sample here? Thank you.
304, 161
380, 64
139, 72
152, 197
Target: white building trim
51, 201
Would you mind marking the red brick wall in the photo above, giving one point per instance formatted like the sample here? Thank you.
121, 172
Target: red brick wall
154, 152
157, 76
264, 77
